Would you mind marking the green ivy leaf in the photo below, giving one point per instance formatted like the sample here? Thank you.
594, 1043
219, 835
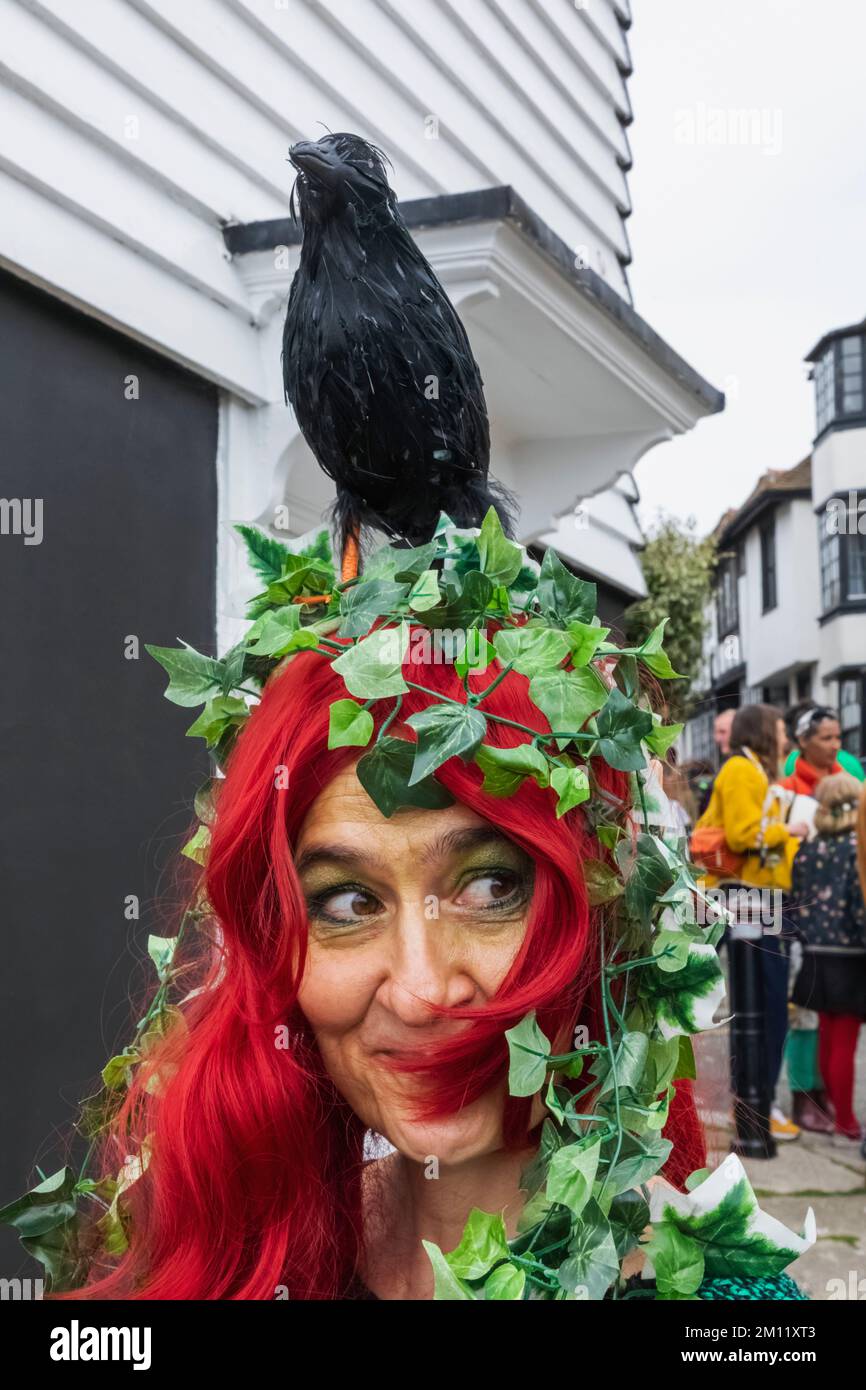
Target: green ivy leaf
653, 655
647, 874
678, 1262
501, 560
197, 848
572, 1173
630, 1058
221, 712
425, 592
506, 1282
232, 667
592, 1263
444, 731
281, 633
384, 774
686, 1067
568, 698
405, 566
528, 1051
531, 649
161, 950
585, 640
349, 725
671, 949
602, 883
482, 1245
563, 597
476, 655
629, 1217
366, 601
505, 768
661, 737
46, 1221
193, 677
372, 668
446, 1285
571, 785
621, 727
640, 1158
117, 1072
464, 602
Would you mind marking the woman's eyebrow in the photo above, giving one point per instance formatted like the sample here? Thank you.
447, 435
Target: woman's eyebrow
453, 841
337, 854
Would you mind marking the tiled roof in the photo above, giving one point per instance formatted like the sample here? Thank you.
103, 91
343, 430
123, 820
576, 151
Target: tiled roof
774, 483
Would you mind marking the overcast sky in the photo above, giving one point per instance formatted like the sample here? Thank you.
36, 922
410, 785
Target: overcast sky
749, 239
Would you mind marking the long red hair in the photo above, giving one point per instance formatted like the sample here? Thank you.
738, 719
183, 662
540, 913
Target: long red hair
253, 1182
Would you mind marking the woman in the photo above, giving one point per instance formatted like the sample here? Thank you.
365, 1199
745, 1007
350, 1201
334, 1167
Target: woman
464, 941
830, 915
847, 761
747, 811
359, 931
819, 739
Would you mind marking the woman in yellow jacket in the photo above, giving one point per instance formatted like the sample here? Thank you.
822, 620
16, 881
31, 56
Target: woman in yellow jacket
749, 809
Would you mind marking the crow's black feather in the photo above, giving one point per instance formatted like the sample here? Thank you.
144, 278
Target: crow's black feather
376, 362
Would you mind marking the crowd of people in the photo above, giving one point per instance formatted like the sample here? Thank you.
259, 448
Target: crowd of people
785, 811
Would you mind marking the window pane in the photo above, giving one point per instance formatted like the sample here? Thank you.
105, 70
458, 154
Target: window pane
856, 557
851, 347
852, 401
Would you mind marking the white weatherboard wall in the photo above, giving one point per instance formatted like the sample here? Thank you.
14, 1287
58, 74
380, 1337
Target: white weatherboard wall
776, 642
133, 131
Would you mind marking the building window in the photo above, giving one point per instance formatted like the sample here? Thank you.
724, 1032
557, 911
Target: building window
775, 695
851, 715
727, 614
768, 565
825, 391
840, 382
851, 380
829, 542
804, 684
854, 547
703, 744
842, 548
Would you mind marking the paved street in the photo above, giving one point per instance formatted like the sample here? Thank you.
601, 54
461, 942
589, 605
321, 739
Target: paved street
808, 1171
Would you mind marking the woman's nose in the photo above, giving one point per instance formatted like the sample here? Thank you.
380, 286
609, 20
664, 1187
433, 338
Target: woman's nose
426, 968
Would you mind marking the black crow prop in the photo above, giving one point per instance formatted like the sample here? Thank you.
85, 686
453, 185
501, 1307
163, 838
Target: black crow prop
376, 362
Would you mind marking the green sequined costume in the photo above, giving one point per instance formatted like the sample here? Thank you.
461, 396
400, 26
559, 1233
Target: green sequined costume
776, 1287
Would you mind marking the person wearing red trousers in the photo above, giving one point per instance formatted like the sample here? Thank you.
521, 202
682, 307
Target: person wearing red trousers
830, 917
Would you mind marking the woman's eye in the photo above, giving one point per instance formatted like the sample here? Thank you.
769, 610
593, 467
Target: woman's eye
491, 890
347, 905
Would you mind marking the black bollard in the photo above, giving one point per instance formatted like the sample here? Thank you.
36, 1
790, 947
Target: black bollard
752, 1099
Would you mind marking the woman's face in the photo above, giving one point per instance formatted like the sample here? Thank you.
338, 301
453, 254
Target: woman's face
821, 746
429, 906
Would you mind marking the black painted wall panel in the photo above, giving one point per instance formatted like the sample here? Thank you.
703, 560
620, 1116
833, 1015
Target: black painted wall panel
96, 775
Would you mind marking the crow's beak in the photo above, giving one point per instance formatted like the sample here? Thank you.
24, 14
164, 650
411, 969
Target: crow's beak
309, 158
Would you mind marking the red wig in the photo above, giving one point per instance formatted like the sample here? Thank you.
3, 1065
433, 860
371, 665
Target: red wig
254, 1178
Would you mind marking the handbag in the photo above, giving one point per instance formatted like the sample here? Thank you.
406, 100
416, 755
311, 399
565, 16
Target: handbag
710, 850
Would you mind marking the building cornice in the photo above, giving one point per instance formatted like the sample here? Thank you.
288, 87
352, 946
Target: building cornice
503, 204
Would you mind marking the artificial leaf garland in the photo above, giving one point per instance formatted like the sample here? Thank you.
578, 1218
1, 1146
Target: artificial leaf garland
589, 1206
